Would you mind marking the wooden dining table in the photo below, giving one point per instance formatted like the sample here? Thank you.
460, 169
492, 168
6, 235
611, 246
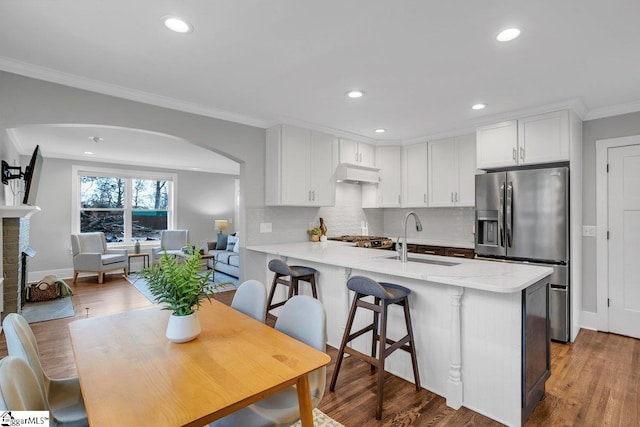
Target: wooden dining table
132, 375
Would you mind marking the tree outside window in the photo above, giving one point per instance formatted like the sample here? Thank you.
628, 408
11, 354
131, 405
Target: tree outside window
124, 209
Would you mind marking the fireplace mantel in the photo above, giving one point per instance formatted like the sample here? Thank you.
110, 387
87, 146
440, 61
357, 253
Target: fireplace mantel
24, 211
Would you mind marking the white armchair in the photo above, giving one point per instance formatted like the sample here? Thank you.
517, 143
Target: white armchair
172, 242
90, 254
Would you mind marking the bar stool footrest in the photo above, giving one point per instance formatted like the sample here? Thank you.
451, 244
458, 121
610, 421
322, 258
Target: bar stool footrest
364, 357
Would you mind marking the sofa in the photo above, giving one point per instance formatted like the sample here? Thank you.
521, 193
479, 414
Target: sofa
225, 253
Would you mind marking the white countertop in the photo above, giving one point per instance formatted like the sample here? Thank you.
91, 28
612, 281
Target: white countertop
491, 276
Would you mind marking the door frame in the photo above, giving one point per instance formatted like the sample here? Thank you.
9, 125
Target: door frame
602, 222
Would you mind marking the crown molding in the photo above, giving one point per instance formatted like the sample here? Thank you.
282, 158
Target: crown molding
613, 110
575, 104
283, 120
79, 82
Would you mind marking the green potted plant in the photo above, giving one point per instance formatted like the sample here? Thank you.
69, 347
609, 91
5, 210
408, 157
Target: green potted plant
314, 233
180, 283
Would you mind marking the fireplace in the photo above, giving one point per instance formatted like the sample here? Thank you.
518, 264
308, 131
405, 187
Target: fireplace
15, 254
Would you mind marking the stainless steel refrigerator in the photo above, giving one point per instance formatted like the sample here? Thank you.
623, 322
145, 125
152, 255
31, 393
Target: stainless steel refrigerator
523, 216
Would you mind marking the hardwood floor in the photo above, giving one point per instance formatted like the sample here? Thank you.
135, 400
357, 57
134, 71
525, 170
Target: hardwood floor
595, 381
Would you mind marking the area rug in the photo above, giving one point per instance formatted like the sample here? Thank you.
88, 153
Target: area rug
48, 310
222, 283
320, 419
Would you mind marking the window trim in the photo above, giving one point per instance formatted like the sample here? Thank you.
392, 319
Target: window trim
77, 171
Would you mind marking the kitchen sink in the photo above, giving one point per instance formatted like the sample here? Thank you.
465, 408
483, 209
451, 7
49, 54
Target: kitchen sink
426, 261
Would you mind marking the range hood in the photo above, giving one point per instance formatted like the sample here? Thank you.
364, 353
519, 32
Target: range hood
346, 172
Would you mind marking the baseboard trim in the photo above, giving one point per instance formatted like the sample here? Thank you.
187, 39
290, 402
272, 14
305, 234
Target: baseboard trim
589, 320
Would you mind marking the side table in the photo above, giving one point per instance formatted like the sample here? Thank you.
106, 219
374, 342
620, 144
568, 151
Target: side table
145, 260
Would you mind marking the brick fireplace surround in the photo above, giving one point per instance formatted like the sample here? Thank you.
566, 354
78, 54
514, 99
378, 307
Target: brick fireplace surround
15, 240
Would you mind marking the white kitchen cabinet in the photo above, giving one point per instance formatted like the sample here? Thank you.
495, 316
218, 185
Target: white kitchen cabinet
452, 171
357, 153
543, 138
415, 175
497, 145
299, 166
390, 186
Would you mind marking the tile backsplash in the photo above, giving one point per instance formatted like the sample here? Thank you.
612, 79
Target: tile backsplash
442, 224
289, 224
347, 216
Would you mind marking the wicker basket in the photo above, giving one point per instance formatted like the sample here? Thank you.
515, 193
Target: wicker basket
43, 291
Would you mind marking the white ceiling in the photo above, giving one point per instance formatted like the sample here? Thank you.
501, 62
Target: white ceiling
123, 146
422, 63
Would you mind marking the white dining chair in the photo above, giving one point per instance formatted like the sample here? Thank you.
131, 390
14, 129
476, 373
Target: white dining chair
62, 395
251, 299
302, 318
19, 388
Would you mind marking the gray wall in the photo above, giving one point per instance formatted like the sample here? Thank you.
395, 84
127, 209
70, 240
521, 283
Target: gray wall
27, 101
593, 130
201, 197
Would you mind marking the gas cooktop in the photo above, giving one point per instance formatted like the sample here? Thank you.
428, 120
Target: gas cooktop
376, 242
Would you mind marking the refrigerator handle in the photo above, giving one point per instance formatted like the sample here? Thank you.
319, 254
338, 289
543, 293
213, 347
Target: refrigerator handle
509, 213
501, 215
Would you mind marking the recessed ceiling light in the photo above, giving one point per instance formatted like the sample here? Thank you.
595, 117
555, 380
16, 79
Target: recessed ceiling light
478, 106
508, 34
176, 24
380, 130
88, 152
355, 93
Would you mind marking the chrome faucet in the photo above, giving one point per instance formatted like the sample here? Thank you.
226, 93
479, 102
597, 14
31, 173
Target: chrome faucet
403, 251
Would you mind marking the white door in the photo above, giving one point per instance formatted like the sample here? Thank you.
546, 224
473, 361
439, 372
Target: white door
443, 172
296, 148
467, 170
321, 180
415, 175
497, 145
348, 151
367, 154
544, 138
390, 187
624, 240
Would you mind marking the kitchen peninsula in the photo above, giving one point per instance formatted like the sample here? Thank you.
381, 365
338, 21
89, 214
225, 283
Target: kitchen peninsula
481, 327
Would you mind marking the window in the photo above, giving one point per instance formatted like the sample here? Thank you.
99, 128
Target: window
125, 206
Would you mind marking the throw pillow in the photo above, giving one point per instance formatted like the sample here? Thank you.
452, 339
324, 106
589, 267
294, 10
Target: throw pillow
231, 240
236, 246
221, 244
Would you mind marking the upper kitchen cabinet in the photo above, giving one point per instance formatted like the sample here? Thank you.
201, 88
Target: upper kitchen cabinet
390, 187
357, 153
452, 170
299, 167
497, 145
415, 176
543, 138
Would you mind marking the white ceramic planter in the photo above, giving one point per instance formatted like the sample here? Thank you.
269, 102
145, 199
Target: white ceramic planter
183, 328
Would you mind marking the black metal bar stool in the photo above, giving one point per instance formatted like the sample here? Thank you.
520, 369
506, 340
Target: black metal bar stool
289, 276
384, 295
